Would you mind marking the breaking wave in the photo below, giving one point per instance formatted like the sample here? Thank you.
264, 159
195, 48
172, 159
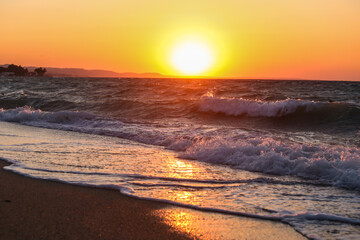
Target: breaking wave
28, 114
334, 165
281, 108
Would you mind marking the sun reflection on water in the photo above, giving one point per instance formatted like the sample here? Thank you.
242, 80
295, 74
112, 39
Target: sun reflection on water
204, 225
178, 168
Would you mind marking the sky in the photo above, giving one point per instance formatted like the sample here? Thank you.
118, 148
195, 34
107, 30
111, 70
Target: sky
285, 39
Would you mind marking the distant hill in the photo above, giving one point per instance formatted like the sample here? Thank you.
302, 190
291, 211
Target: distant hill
80, 72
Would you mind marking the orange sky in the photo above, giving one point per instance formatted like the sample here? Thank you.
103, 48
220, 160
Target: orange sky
311, 39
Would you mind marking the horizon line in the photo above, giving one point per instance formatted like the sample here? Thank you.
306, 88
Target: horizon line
163, 76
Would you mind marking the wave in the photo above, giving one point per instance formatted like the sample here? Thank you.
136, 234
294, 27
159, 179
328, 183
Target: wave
283, 216
28, 114
333, 165
37, 102
277, 109
336, 165
187, 181
15, 168
286, 217
228, 183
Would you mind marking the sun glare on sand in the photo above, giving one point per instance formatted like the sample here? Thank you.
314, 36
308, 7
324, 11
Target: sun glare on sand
192, 58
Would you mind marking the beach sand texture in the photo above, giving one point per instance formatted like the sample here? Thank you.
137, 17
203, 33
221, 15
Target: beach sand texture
39, 209
35, 209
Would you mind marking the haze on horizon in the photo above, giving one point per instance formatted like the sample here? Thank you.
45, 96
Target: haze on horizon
248, 39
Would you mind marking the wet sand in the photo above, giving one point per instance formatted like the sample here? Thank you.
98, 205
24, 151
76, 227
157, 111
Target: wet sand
39, 209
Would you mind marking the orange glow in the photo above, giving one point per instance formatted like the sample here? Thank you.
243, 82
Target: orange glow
203, 225
178, 168
247, 39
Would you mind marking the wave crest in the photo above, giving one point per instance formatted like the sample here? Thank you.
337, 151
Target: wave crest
256, 108
26, 113
335, 165
338, 166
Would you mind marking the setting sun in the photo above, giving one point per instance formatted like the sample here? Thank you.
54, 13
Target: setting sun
192, 119
192, 58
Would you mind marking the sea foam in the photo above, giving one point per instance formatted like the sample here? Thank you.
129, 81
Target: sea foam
338, 166
26, 114
256, 108
335, 165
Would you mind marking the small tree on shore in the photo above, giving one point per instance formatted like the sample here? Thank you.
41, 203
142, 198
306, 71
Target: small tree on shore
40, 71
17, 70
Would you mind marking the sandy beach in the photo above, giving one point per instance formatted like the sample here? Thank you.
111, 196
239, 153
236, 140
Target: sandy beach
38, 209
35, 209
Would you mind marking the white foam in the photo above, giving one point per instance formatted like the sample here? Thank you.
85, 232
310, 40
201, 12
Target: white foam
321, 217
285, 217
338, 166
17, 168
89, 123
28, 114
255, 108
11, 161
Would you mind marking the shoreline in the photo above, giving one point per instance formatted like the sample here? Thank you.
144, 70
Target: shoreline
40, 209
44, 209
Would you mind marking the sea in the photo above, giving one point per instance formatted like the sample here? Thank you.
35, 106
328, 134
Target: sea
277, 150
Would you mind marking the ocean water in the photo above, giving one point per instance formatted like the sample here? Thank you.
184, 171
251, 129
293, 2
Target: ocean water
284, 151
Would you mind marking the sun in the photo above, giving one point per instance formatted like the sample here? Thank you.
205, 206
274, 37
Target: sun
192, 58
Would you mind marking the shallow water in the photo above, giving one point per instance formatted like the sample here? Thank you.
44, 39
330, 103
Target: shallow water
153, 172
277, 150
